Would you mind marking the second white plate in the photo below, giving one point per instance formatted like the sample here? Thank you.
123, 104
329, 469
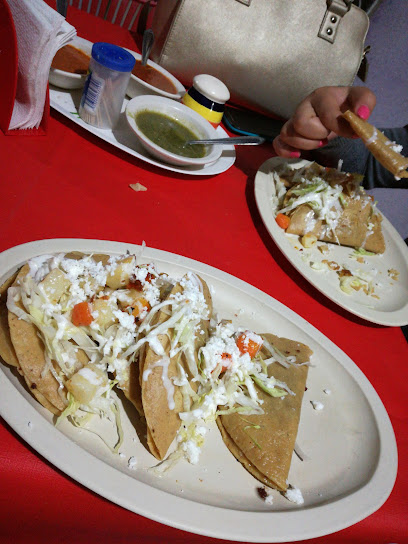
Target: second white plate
389, 270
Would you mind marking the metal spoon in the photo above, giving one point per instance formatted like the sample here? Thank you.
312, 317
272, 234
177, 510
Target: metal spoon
147, 44
235, 140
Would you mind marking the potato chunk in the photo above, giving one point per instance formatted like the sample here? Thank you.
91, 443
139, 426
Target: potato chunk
85, 383
120, 276
105, 309
55, 284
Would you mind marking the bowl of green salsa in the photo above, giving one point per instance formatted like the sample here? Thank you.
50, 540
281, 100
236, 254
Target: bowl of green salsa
164, 126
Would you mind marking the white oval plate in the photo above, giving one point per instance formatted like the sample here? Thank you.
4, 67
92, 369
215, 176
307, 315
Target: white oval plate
122, 136
391, 308
350, 444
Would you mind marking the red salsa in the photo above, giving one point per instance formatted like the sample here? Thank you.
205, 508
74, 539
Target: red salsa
70, 59
153, 77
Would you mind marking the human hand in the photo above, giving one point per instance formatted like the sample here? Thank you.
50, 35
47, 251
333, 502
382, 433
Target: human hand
318, 119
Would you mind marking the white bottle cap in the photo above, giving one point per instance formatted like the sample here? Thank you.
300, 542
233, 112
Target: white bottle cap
212, 88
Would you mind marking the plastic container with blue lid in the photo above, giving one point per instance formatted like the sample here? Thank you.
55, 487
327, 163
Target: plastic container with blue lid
104, 91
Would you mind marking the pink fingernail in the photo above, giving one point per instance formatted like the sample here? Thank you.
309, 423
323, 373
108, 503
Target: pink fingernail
295, 154
323, 142
363, 112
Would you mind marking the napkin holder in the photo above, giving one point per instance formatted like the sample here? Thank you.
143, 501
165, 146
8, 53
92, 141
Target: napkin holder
8, 75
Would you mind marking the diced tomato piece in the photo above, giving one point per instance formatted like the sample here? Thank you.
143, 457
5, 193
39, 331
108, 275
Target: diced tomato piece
139, 306
226, 360
283, 221
247, 344
81, 314
135, 284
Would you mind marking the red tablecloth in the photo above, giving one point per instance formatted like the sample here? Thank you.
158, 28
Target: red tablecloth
70, 184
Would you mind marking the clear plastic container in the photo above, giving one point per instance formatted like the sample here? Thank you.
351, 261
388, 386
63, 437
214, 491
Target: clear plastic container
105, 87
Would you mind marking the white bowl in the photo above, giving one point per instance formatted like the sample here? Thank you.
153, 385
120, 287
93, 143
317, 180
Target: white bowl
68, 80
192, 120
138, 87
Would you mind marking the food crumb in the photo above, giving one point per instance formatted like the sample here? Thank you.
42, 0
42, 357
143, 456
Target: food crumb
393, 274
132, 462
262, 492
323, 248
327, 391
317, 405
122, 455
29, 425
137, 187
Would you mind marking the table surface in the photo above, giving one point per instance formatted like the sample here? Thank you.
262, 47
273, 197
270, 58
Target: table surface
69, 184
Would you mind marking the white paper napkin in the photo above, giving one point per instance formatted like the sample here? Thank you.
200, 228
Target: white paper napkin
41, 31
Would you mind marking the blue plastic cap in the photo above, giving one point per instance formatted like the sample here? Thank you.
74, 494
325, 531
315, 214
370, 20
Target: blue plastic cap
113, 57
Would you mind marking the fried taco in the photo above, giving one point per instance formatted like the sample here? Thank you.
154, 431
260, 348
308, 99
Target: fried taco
7, 352
168, 359
264, 443
386, 152
329, 205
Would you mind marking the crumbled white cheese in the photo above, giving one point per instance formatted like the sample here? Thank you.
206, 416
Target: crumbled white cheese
327, 391
317, 405
132, 463
269, 499
293, 494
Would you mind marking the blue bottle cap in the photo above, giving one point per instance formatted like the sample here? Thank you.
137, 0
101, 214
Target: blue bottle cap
113, 57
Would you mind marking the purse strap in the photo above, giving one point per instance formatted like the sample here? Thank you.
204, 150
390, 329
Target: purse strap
336, 9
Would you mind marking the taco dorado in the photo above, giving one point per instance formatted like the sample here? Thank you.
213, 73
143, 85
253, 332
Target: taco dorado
264, 443
328, 204
168, 357
386, 152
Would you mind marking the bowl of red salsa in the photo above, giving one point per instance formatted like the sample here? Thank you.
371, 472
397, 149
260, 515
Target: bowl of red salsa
153, 79
69, 67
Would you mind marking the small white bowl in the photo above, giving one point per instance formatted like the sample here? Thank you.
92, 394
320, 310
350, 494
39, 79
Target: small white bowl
68, 80
178, 111
138, 87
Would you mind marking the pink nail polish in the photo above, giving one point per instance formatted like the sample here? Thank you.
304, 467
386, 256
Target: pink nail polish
323, 142
295, 154
363, 112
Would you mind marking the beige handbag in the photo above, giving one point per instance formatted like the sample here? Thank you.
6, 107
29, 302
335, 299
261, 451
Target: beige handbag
269, 53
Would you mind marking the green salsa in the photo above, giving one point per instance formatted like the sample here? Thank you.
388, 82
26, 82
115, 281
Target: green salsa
169, 134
